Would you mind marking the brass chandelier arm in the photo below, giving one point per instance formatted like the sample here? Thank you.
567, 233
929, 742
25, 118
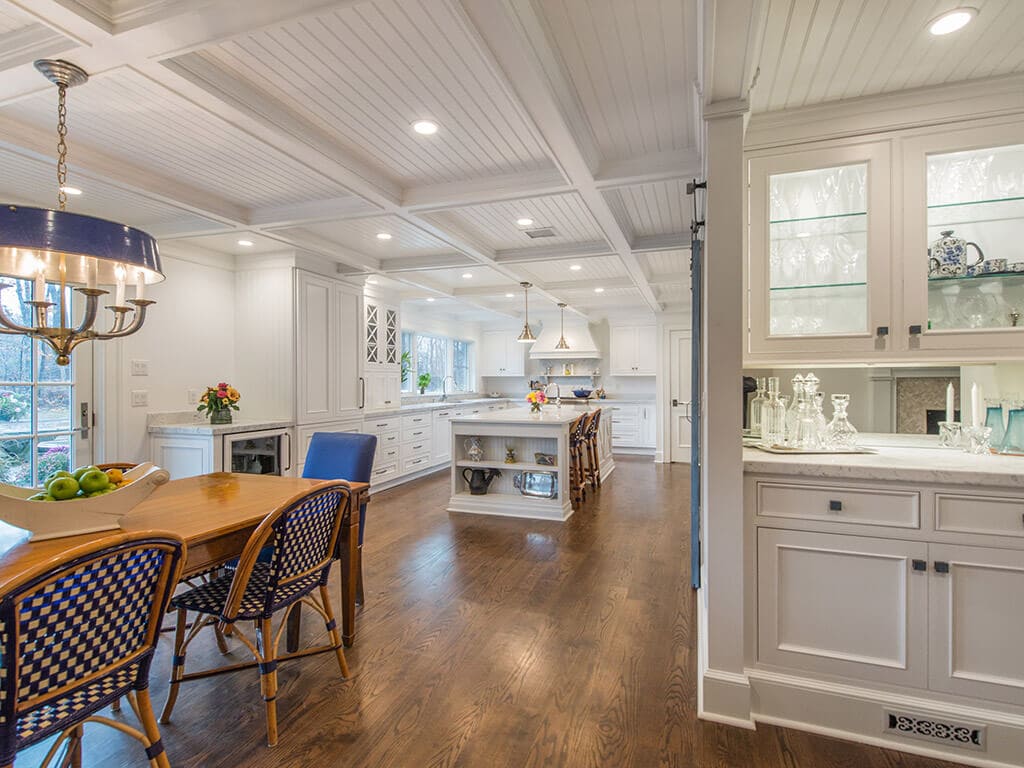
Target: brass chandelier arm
9, 326
118, 330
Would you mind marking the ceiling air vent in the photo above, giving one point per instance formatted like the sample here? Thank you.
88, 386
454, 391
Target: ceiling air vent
936, 730
541, 232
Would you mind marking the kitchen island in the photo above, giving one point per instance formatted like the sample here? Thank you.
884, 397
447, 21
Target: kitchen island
528, 435
882, 592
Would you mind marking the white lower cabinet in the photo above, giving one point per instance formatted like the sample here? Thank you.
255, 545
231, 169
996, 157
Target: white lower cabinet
383, 390
633, 426
186, 455
976, 634
843, 605
442, 435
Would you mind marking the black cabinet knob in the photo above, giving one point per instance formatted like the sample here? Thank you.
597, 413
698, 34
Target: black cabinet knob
915, 330
919, 565
835, 506
941, 567
882, 330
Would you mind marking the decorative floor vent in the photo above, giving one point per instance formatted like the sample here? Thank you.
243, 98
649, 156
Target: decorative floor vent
542, 232
938, 731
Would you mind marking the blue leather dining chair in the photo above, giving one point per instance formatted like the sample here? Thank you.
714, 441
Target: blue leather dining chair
343, 456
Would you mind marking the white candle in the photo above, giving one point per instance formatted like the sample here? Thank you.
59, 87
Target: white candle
92, 268
950, 408
119, 295
976, 418
140, 285
40, 287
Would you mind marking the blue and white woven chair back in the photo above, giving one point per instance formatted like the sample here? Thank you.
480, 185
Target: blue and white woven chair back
304, 538
91, 620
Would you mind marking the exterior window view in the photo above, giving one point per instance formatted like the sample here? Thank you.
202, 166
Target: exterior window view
512, 383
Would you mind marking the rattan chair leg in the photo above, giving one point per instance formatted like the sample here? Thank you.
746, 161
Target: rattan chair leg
177, 665
268, 677
75, 748
222, 643
144, 710
116, 706
332, 630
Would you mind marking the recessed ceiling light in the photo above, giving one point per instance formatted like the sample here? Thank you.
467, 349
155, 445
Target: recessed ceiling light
510, 295
576, 267
70, 190
467, 275
425, 127
951, 21
524, 222
383, 235
245, 243
430, 298
599, 290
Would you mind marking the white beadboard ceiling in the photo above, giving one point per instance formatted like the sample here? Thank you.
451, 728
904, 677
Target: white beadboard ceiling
659, 208
632, 64
364, 72
148, 126
33, 182
592, 270
360, 235
815, 51
226, 243
495, 223
661, 264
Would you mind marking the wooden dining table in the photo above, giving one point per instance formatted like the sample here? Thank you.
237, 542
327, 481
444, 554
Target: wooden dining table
214, 514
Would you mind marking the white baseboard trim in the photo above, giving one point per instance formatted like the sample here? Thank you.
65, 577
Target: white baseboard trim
856, 713
725, 698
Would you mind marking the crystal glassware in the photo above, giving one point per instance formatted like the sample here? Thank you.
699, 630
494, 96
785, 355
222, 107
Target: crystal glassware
949, 434
841, 434
978, 440
808, 436
773, 423
994, 420
1013, 439
755, 412
794, 405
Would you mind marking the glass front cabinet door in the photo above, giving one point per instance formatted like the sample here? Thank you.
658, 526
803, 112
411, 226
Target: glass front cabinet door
963, 242
818, 277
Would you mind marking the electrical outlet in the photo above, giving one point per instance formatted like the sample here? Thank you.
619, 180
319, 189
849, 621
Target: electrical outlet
192, 396
140, 398
140, 367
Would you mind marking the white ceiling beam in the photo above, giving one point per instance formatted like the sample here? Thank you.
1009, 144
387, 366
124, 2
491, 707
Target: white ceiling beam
424, 283
27, 141
418, 263
515, 37
650, 168
654, 243
310, 241
590, 284
313, 211
728, 70
493, 189
29, 43
553, 253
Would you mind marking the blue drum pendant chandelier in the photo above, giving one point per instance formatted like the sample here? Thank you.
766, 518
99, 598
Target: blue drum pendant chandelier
65, 248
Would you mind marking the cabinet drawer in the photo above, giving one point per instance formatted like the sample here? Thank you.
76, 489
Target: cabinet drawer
444, 415
418, 433
413, 420
415, 448
384, 472
387, 438
387, 454
415, 464
378, 425
862, 506
979, 514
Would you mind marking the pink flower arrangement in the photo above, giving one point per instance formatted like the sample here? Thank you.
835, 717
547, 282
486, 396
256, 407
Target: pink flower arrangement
219, 398
536, 399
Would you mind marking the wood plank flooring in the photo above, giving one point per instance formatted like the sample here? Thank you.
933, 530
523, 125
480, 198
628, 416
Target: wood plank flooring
491, 643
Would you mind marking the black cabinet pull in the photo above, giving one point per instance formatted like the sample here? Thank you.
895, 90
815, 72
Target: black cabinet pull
915, 330
919, 565
941, 567
835, 506
882, 330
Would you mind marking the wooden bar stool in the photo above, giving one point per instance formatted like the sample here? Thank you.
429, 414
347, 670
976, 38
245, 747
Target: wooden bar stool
577, 471
590, 432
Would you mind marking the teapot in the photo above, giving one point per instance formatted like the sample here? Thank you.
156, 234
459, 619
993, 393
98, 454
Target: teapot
948, 256
479, 479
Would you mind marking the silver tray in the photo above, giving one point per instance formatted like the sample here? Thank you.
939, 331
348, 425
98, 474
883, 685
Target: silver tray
542, 485
783, 450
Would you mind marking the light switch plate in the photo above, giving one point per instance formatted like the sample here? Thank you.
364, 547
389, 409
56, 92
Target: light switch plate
193, 397
140, 398
140, 367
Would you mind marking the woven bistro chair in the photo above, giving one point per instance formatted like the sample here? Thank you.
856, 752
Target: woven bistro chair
303, 532
590, 432
79, 632
577, 473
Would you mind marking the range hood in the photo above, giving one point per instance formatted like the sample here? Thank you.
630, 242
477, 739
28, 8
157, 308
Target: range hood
581, 343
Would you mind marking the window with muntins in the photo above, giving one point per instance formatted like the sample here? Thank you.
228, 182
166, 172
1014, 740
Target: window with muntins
440, 356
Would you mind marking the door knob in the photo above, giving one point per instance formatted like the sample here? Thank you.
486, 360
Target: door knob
675, 403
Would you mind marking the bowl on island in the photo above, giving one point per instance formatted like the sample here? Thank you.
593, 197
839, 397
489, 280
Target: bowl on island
582, 392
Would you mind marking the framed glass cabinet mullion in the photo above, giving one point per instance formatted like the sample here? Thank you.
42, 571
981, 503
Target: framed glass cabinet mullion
812, 221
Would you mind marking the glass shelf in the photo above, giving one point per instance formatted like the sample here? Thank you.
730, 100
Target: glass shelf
816, 287
1005, 278
820, 218
976, 202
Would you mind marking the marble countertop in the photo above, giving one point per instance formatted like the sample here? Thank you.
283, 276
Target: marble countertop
432, 406
522, 416
205, 428
918, 460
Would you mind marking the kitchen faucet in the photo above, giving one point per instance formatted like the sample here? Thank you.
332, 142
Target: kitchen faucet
558, 393
444, 387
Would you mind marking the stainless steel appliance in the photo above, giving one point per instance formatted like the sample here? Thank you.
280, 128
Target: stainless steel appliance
265, 452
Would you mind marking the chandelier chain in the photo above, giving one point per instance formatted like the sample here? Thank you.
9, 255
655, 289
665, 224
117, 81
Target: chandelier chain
62, 147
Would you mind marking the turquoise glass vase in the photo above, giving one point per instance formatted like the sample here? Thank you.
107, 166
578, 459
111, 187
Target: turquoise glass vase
994, 419
1013, 440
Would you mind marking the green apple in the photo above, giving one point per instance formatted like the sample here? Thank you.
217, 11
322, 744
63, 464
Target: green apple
63, 488
94, 480
55, 475
77, 474
41, 497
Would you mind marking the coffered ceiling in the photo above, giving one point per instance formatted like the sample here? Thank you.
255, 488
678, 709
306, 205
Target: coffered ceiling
290, 125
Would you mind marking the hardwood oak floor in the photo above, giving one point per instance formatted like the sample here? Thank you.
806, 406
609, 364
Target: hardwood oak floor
491, 643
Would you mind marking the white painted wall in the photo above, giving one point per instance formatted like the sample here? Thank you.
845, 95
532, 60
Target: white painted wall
189, 341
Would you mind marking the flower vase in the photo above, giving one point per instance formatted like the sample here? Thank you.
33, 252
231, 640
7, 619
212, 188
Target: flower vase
221, 416
535, 408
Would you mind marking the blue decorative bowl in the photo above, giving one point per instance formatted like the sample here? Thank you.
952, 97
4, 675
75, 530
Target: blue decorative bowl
582, 392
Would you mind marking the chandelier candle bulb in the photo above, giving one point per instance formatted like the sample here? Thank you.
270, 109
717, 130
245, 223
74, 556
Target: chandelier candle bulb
92, 274
119, 296
39, 294
140, 286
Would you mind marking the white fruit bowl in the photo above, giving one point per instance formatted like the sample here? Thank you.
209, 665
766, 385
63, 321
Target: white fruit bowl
54, 519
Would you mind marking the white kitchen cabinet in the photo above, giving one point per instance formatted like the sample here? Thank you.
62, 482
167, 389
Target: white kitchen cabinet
187, 455
328, 367
632, 425
381, 335
975, 649
633, 350
843, 605
383, 390
441, 444
648, 426
501, 354
832, 274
